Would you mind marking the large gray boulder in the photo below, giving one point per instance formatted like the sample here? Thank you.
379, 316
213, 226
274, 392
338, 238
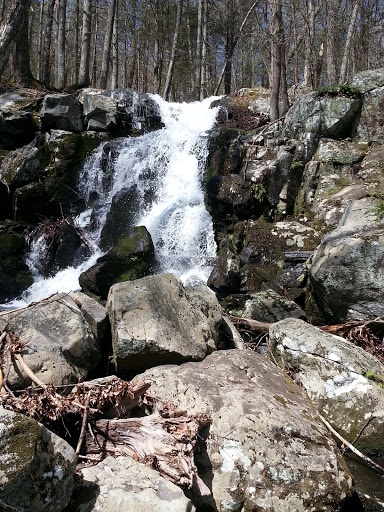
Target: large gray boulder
313, 116
59, 346
343, 381
20, 167
368, 80
123, 484
36, 466
100, 111
265, 450
156, 320
371, 124
61, 112
347, 273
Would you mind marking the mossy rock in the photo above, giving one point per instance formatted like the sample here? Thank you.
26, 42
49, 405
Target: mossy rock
131, 258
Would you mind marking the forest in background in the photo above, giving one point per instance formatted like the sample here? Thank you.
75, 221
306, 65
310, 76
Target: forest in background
189, 49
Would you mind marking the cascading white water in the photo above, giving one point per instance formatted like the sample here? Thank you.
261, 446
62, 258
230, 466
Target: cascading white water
166, 168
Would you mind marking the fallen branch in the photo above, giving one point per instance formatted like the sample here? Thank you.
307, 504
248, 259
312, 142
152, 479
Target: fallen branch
236, 337
369, 461
83, 429
164, 441
251, 324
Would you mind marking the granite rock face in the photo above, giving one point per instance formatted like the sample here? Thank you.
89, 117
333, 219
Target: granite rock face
156, 320
343, 381
122, 484
59, 346
265, 450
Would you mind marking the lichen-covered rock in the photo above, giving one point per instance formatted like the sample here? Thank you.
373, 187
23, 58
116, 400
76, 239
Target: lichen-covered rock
36, 466
20, 167
59, 346
347, 274
340, 151
230, 196
343, 381
131, 258
371, 124
265, 450
61, 112
368, 80
265, 306
312, 117
156, 320
123, 484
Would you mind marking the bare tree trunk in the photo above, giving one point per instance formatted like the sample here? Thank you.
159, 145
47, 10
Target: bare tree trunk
85, 45
132, 67
8, 32
76, 44
22, 68
168, 82
331, 41
61, 44
348, 42
275, 22
107, 45
234, 45
115, 51
308, 80
204, 50
40, 42
199, 48
96, 38
45, 67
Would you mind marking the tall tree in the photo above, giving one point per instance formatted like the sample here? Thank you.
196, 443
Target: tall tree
171, 66
107, 45
61, 44
199, 47
85, 55
115, 50
47, 44
22, 68
9, 29
332, 10
348, 42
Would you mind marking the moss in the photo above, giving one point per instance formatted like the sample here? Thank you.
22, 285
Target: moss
281, 400
344, 90
375, 378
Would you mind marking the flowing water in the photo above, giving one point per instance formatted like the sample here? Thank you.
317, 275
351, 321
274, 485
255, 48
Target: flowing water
165, 168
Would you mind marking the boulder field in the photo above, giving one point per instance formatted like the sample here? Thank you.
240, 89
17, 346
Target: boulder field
297, 207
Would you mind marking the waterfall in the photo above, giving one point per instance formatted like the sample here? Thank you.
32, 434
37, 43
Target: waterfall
165, 169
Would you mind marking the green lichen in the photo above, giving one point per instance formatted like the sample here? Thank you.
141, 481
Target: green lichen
281, 400
375, 378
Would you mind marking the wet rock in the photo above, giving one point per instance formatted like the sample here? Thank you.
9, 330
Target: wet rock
267, 306
36, 461
155, 320
29, 203
347, 275
265, 450
59, 346
121, 216
229, 197
17, 128
61, 112
342, 380
15, 276
131, 258
122, 484
64, 247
